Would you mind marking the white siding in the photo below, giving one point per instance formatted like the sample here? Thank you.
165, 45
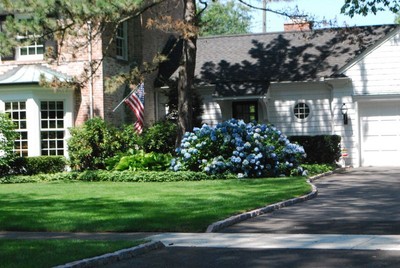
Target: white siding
349, 133
378, 72
212, 112
285, 96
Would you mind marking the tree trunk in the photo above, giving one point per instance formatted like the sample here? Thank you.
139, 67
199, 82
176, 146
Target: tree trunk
186, 72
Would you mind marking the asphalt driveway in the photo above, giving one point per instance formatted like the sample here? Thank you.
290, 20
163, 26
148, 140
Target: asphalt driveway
355, 201
352, 204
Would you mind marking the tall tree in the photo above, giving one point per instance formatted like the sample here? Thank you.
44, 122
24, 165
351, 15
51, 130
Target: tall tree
397, 19
60, 19
67, 22
186, 69
225, 18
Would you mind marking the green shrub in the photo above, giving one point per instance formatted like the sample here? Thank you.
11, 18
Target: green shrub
7, 137
45, 164
38, 164
315, 169
160, 137
95, 141
62, 176
140, 161
320, 149
116, 176
147, 176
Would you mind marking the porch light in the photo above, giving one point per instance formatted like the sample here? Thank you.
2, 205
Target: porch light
344, 113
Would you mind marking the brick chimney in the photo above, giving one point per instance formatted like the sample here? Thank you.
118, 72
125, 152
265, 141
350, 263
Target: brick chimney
298, 24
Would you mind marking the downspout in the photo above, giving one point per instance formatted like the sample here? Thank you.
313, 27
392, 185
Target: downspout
89, 23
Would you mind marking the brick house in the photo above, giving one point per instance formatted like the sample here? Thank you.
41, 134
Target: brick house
44, 115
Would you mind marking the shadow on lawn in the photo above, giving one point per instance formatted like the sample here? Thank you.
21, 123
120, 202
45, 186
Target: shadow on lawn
165, 209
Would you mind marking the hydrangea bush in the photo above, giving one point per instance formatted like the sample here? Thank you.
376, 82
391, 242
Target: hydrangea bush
248, 150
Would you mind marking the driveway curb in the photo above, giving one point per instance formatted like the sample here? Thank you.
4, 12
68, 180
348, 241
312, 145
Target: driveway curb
110, 258
215, 227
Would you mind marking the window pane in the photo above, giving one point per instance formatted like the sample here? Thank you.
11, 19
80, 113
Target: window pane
32, 50
52, 141
247, 111
43, 105
40, 50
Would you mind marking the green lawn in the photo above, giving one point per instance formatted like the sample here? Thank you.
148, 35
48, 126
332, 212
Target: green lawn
122, 207
49, 253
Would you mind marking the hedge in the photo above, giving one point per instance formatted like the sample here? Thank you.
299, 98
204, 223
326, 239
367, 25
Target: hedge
320, 149
38, 164
117, 176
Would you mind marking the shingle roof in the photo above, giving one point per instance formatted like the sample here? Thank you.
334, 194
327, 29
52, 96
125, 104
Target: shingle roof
259, 59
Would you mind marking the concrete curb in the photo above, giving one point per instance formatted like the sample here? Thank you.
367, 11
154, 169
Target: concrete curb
215, 227
114, 257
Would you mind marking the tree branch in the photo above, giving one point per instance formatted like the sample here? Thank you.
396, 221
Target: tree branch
268, 10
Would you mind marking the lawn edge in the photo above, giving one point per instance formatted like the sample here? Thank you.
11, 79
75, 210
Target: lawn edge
219, 225
110, 258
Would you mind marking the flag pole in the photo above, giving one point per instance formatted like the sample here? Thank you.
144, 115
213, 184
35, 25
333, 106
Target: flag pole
133, 91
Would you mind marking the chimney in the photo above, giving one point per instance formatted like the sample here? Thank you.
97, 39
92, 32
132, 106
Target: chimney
298, 24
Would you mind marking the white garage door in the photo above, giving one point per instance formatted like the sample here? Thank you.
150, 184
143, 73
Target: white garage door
380, 133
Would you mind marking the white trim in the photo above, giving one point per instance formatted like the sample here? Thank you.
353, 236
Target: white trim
383, 97
310, 108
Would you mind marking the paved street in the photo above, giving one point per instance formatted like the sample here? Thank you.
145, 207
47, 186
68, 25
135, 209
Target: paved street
354, 222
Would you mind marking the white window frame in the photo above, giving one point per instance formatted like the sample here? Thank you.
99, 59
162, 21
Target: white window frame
18, 121
302, 119
50, 124
33, 95
121, 36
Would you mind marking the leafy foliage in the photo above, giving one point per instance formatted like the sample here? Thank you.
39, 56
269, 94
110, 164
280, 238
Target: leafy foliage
38, 164
160, 137
116, 176
7, 137
364, 7
248, 150
140, 161
320, 149
225, 18
95, 141
315, 169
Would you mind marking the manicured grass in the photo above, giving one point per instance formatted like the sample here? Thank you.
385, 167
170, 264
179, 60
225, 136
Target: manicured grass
49, 253
122, 207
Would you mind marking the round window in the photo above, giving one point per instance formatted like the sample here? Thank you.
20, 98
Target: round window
301, 110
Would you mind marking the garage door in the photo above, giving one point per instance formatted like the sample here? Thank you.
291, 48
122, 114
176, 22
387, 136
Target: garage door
380, 133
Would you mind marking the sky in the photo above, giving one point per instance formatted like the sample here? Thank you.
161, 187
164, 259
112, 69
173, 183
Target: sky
320, 9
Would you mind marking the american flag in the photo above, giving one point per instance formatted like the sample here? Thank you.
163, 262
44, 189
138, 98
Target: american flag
136, 102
